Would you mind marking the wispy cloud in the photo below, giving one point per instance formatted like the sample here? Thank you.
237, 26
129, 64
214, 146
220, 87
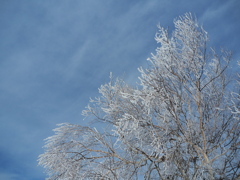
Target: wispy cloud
8, 176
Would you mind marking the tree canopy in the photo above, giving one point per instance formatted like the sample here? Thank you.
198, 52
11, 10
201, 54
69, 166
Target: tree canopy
180, 122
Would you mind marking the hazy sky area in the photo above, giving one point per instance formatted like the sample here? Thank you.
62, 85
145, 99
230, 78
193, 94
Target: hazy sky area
54, 54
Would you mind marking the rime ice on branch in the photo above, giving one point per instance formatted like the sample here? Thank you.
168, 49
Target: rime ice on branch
181, 122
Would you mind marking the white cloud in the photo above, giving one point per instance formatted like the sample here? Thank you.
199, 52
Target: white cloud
8, 176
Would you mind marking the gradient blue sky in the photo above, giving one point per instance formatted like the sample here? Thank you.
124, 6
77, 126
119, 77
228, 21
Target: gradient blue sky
54, 54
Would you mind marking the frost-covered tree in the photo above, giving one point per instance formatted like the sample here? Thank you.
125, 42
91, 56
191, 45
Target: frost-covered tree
180, 122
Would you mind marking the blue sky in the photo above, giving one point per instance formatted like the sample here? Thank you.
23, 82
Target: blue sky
54, 54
